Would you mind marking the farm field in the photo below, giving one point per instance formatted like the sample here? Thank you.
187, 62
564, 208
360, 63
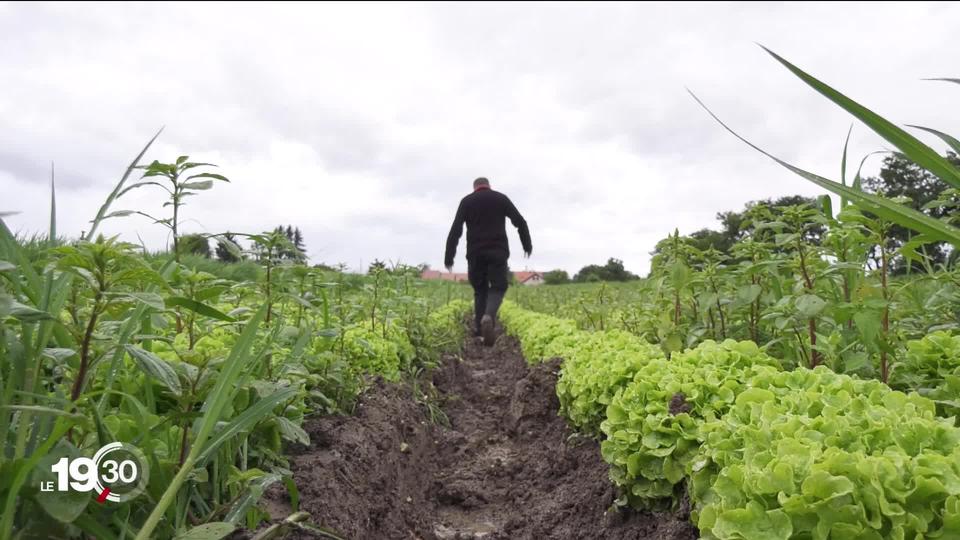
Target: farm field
779, 392
794, 375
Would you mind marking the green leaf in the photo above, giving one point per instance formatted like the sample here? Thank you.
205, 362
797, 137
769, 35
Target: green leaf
198, 186
208, 531
244, 422
58, 354
868, 324
249, 499
810, 305
140, 185
293, 492
747, 295
156, 368
152, 300
94, 528
209, 175
950, 140
199, 308
27, 313
6, 267
754, 523
292, 432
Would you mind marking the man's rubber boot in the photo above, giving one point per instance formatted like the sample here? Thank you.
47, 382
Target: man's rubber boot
486, 329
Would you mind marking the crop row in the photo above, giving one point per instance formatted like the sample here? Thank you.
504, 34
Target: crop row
761, 452
208, 377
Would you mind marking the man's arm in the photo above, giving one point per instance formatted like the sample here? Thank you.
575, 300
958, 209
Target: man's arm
521, 225
454, 237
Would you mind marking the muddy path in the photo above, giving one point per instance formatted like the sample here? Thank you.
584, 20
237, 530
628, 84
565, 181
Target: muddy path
506, 467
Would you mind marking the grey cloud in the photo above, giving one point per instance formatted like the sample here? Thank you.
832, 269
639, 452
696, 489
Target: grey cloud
577, 111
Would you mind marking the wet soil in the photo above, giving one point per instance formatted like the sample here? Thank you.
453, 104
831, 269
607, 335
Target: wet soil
506, 467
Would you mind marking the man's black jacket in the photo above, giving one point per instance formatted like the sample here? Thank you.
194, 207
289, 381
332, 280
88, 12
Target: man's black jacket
484, 211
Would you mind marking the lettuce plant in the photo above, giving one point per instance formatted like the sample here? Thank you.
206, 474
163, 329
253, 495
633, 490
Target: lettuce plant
653, 424
815, 454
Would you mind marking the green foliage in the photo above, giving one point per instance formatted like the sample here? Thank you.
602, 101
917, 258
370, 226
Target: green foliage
597, 365
173, 179
766, 453
901, 178
814, 454
931, 366
100, 343
534, 331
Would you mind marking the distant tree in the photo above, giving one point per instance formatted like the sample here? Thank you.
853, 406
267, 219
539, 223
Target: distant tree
224, 253
322, 266
705, 239
900, 177
195, 244
297, 251
298, 240
612, 271
556, 277
376, 266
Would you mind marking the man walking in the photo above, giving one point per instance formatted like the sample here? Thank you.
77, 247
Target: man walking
485, 211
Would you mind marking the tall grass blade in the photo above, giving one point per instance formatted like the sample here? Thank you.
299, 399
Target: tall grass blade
52, 235
244, 422
101, 214
911, 147
222, 393
880, 206
843, 165
951, 141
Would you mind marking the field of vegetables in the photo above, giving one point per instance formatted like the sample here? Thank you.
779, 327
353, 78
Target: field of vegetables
793, 387
210, 378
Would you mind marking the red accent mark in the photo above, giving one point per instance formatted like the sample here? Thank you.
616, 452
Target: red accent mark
103, 496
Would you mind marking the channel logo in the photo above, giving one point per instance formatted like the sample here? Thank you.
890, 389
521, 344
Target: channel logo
118, 472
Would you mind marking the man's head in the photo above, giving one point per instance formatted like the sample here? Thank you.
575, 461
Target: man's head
481, 182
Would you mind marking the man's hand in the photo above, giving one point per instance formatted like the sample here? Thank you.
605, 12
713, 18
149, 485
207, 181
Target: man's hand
526, 254
449, 268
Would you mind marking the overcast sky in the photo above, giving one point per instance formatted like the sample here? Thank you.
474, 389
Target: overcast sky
364, 125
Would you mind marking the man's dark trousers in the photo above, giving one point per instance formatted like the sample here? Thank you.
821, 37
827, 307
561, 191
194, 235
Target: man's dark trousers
488, 276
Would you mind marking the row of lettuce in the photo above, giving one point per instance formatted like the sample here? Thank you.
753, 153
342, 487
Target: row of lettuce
761, 452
